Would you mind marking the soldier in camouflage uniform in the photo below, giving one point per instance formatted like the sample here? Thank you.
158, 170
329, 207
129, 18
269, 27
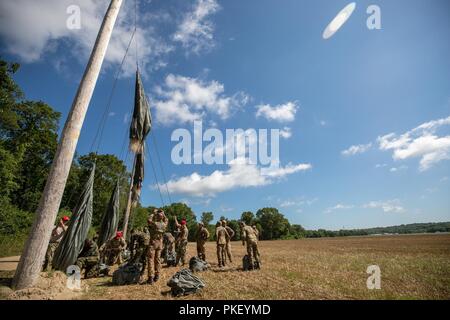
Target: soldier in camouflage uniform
181, 241
88, 259
157, 224
249, 236
202, 237
221, 240
228, 245
139, 244
55, 238
111, 251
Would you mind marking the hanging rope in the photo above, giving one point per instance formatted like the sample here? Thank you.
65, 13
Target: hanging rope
101, 128
161, 166
154, 174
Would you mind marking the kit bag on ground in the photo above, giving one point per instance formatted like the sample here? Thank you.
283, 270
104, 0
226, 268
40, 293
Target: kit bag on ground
171, 259
184, 282
196, 264
246, 263
127, 274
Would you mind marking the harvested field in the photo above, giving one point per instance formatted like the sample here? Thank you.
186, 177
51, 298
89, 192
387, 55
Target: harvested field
412, 267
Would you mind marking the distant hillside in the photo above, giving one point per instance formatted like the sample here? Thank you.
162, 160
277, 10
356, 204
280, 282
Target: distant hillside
412, 228
401, 229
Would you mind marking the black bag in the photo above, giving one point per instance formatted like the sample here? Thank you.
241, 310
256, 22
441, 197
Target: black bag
196, 264
246, 263
184, 282
171, 259
127, 274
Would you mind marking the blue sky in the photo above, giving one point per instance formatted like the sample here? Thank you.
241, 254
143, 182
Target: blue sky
336, 100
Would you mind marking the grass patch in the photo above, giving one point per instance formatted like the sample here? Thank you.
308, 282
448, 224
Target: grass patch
12, 245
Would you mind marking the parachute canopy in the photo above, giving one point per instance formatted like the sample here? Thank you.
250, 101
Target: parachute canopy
141, 122
110, 219
72, 243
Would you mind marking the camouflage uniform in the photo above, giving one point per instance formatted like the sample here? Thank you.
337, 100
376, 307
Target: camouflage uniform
228, 245
202, 237
221, 239
88, 259
181, 244
111, 251
139, 244
168, 242
251, 238
157, 229
56, 237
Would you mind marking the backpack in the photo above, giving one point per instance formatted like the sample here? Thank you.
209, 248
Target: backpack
196, 264
127, 274
171, 259
246, 263
184, 282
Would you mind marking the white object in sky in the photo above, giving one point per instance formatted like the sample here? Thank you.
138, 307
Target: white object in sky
339, 21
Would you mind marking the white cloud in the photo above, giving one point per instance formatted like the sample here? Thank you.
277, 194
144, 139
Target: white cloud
281, 113
183, 99
288, 203
356, 149
386, 206
339, 206
286, 133
225, 209
396, 169
380, 165
195, 33
422, 142
299, 202
32, 29
240, 174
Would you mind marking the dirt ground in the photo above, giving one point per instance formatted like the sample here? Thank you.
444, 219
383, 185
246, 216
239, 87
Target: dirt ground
412, 267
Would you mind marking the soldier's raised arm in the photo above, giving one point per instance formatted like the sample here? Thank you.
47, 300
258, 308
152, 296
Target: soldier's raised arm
232, 232
176, 222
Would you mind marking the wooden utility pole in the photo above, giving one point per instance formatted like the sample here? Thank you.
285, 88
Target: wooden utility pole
30, 263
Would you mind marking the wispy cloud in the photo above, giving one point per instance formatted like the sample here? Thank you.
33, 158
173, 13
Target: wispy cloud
356, 149
281, 113
195, 33
387, 206
339, 206
286, 133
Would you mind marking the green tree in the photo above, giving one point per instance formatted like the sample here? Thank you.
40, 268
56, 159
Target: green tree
207, 217
181, 211
273, 224
108, 169
28, 140
247, 217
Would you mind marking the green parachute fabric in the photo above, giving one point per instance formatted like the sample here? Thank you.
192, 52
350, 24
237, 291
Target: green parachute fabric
72, 243
141, 122
110, 220
137, 178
